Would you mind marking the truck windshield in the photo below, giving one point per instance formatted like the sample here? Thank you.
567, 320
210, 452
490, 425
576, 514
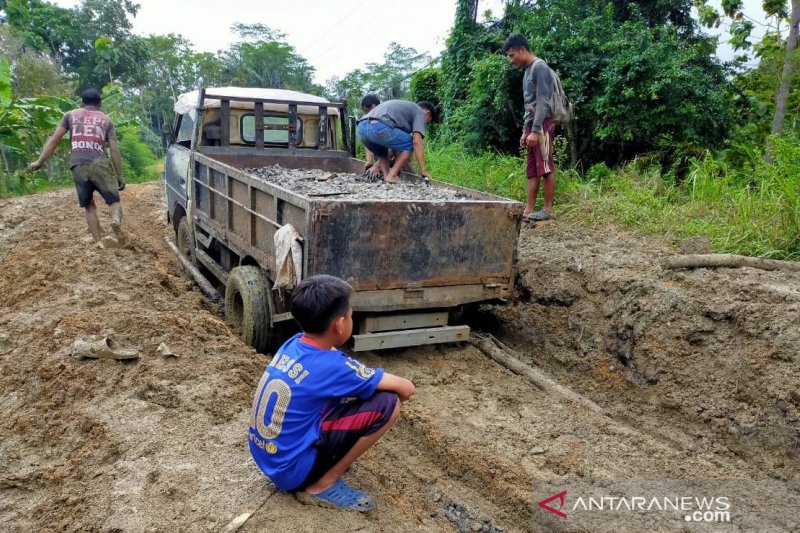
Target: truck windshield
270, 136
184, 136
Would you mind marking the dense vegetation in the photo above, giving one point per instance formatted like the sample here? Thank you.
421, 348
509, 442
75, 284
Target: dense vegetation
666, 137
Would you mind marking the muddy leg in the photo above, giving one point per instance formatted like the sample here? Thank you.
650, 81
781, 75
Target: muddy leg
383, 164
92, 221
116, 223
116, 214
399, 162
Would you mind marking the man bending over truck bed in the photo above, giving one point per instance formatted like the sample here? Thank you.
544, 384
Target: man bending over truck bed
398, 125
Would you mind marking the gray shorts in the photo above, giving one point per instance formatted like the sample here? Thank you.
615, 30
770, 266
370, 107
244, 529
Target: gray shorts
97, 176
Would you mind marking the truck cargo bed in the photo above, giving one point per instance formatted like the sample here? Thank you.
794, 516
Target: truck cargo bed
396, 253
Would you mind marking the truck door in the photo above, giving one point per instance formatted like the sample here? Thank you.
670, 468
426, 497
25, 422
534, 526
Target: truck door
176, 170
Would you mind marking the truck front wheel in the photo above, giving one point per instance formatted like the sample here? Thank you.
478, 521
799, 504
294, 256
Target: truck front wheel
247, 306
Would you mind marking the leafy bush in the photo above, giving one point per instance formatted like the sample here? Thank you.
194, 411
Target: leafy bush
637, 86
138, 159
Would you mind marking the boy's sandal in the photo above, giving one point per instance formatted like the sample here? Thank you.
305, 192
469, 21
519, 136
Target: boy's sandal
340, 495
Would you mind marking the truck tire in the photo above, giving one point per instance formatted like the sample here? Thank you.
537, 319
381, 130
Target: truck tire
247, 306
184, 240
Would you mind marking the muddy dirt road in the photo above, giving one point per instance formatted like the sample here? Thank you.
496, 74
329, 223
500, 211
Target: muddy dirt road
695, 374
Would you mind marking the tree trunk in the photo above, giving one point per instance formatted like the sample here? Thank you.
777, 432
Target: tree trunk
786, 77
727, 261
3, 171
572, 140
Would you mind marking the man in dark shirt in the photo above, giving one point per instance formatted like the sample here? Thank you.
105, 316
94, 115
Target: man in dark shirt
90, 131
538, 85
398, 125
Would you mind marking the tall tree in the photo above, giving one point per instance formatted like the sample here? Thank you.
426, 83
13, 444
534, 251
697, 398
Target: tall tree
741, 28
637, 86
467, 42
71, 36
389, 80
33, 73
262, 58
788, 67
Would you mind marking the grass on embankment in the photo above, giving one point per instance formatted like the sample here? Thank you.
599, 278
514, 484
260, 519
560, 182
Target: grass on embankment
23, 182
753, 211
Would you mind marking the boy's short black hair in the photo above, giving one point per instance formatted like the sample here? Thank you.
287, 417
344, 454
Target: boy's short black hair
369, 101
516, 41
428, 107
318, 300
91, 97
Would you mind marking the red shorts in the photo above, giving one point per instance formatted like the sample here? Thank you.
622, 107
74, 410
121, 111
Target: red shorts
539, 159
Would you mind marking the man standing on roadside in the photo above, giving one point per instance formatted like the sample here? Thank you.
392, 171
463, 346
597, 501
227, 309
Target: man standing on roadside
398, 125
538, 86
90, 130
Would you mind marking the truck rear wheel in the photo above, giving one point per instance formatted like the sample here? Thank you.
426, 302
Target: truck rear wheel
185, 240
247, 306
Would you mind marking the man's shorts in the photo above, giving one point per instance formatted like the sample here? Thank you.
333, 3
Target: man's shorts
539, 159
343, 425
97, 176
379, 137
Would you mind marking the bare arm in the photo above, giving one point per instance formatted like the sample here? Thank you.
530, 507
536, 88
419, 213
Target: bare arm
116, 158
404, 388
419, 153
49, 148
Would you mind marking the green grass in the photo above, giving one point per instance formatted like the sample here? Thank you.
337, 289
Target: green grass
753, 211
20, 183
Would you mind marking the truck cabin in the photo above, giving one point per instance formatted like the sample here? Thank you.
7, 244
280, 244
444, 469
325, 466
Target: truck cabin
289, 119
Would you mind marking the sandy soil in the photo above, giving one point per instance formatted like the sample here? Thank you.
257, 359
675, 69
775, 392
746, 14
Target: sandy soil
696, 374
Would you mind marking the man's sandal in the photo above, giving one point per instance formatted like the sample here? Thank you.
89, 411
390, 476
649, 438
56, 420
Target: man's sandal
539, 216
340, 495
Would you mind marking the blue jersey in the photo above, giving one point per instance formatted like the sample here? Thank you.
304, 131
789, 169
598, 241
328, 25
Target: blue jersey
300, 384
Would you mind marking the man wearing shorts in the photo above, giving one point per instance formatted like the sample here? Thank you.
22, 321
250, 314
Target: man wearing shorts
90, 131
398, 125
368, 103
538, 85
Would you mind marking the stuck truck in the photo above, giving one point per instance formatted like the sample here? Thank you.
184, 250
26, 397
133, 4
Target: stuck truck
411, 262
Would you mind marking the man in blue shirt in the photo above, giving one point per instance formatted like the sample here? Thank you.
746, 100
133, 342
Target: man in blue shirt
316, 410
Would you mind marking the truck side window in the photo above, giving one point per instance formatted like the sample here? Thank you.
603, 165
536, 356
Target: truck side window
270, 136
185, 128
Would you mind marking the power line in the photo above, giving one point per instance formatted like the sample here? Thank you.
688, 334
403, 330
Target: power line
333, 27
756, 21
409, 76
434, 60
366, 24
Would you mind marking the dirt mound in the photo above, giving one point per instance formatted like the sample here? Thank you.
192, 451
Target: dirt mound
706, 357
